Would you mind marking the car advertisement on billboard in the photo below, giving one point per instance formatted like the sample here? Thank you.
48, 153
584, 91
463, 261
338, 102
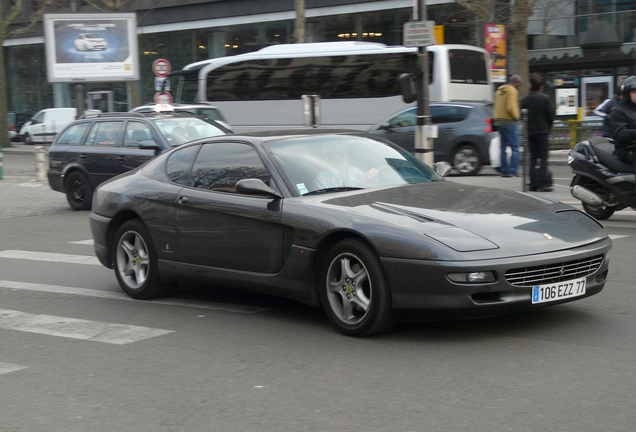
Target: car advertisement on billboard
91, 47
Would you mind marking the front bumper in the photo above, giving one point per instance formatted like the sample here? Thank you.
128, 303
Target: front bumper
423, 286
99, 228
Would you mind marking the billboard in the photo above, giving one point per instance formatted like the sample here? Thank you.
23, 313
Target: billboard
495, 41
91, 47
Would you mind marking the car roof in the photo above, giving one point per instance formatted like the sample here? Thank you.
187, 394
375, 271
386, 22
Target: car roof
178, 105
149, 115
279, 134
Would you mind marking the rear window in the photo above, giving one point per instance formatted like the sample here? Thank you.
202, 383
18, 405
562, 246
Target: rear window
467, 67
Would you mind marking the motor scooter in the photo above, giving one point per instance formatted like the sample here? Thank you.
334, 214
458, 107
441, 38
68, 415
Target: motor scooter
601, 182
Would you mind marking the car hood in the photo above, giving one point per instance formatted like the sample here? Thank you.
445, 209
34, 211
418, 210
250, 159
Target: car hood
467, 218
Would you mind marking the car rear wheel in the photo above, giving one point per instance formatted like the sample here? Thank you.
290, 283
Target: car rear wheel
136, 262
466, 160
354, 291
79, 193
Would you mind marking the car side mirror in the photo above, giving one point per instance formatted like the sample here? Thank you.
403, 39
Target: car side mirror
150, 145
252, 186
386, 126
443, 168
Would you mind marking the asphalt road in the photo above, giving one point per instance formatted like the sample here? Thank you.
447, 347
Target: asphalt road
78, 355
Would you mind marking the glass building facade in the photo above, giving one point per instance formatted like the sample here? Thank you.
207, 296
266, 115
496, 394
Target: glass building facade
186, 32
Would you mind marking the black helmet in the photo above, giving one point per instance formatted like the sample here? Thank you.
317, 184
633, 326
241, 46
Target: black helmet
628, 85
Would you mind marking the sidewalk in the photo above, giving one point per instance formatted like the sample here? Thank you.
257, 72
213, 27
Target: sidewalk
557, 157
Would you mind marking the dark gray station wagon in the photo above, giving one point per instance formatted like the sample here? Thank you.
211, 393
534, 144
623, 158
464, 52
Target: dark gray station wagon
100, 146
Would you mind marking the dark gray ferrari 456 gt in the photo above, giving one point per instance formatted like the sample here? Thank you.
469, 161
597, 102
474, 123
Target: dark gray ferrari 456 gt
343, 220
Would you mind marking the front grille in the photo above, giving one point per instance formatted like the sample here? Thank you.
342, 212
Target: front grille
553, 272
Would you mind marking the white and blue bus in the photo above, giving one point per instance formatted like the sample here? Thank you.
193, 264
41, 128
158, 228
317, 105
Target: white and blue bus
357, 82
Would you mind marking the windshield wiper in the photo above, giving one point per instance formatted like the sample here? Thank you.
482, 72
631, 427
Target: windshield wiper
332, 189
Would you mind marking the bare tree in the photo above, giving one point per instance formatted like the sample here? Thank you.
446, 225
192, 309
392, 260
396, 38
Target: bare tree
10, 13
299, 29
515, 15
108, 5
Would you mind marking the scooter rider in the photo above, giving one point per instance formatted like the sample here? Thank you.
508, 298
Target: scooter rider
623, 121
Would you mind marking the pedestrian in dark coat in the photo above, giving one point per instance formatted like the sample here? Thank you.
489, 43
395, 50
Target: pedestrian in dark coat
540, 117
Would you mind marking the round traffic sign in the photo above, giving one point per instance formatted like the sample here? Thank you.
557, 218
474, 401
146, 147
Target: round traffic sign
163, 98
161, 67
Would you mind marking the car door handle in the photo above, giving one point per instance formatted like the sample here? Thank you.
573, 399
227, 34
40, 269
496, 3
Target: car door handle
121, 158
183, 200
82, 155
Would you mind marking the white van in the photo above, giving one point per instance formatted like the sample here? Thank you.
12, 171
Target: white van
45, 125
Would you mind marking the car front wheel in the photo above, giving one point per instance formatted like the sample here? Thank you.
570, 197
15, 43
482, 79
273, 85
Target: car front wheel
354, 291
79, 193
136, 262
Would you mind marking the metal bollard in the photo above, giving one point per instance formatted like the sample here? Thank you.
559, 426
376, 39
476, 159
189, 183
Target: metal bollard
40, 163
1, 166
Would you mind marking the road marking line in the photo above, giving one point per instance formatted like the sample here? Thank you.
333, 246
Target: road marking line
8, 367
117, 334
50, 257
83, 242
58, 289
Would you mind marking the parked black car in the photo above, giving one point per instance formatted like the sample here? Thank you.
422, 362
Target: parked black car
464, 131
100, 146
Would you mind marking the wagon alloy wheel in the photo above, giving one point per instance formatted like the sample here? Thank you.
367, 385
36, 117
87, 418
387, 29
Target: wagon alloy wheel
79, 193
466, 160
354, 291
136, 262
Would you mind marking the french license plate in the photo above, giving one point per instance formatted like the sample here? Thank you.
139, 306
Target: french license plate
559, 291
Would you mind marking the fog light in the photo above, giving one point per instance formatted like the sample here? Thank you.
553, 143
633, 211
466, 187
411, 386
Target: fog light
472, 277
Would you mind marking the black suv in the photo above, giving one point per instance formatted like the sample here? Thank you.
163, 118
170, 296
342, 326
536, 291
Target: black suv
97, 147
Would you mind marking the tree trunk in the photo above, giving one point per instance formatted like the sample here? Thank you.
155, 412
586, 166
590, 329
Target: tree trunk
299, 29
4, 131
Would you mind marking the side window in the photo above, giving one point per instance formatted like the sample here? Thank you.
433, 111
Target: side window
38, 118
179, 164
136, 132
73, 135
220, 165
448, 113
405, 119
105, 134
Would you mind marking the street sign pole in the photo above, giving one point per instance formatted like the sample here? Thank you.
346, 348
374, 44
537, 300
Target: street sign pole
423, 140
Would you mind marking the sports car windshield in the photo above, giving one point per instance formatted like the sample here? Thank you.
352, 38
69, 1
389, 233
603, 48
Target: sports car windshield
332, 163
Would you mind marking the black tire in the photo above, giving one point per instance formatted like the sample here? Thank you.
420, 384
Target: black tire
79, 192
599, 212
136, 262
27, 139
354, 291
466, 160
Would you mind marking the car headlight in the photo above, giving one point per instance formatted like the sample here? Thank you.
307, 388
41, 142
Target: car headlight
472, 277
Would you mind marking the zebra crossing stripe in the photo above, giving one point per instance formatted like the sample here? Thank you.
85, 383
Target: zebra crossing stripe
58, 289
117, 334
8, 367
50, 257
